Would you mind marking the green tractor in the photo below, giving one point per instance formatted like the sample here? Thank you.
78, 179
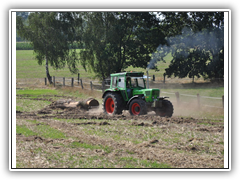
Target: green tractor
128, 92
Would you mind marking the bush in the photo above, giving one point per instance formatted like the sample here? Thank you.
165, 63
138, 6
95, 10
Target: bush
24, 46
28, 46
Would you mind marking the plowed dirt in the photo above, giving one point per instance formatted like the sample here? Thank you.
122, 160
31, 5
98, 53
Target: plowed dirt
199, 143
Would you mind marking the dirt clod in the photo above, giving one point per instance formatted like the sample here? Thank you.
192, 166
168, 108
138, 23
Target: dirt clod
154, 141
104, 123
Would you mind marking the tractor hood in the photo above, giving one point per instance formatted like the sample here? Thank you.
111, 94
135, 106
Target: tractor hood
149, 94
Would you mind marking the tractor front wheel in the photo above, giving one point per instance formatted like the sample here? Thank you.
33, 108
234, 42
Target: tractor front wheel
137, 107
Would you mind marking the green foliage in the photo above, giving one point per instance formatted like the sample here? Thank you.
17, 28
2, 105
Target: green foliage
29, 46
197, 44
24, 15
24, 46
50, 34
116, 40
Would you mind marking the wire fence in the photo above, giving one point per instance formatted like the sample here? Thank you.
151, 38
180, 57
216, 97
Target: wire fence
180, 99
79, 83
165, 79
197, 100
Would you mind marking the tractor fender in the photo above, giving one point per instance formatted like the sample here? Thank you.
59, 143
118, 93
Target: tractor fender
107, 92
134, 97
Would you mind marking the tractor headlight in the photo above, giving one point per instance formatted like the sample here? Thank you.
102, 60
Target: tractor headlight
153, 97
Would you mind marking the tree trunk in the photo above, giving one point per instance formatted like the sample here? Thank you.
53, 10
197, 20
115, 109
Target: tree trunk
47, 72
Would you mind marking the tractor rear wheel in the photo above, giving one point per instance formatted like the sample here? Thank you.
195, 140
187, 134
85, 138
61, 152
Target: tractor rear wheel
166, 110
137, 107
112, 104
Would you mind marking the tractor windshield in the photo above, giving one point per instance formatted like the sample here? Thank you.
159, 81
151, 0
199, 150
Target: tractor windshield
137, 82
141, 82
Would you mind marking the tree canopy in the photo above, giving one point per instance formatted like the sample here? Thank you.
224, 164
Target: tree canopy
197, 44
113, 41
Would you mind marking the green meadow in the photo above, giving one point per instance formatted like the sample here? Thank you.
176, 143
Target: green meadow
27, 67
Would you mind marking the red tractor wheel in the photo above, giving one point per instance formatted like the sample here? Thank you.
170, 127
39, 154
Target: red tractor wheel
112, 104
137, 107
109, 105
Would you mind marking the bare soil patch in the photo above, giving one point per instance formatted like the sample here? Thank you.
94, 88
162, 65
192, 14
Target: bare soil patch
181, 142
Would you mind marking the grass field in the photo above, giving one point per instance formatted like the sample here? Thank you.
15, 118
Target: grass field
26, 63
64, 138
27, 67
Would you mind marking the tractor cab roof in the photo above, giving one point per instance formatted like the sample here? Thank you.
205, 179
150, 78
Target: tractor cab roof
131, 74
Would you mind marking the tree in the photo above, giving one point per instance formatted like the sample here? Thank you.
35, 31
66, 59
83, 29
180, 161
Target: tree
24, 16
50, 34
196, 43
115, 40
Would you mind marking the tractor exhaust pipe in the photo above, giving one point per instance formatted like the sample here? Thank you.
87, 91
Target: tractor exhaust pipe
147, 80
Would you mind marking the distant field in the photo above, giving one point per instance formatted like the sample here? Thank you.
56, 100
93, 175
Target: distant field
27, 67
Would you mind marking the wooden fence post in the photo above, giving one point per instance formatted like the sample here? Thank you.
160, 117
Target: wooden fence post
81, 83
45, 81
198, 99
54, 81
91, 85
103, 86
153, 77
63, 81
223, 101
177, 96
72, 82
78, 78
164, 78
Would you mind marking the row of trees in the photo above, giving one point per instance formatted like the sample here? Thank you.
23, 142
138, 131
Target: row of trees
115, 40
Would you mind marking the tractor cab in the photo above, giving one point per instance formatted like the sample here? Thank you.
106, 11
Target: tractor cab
134, 83
127, 83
